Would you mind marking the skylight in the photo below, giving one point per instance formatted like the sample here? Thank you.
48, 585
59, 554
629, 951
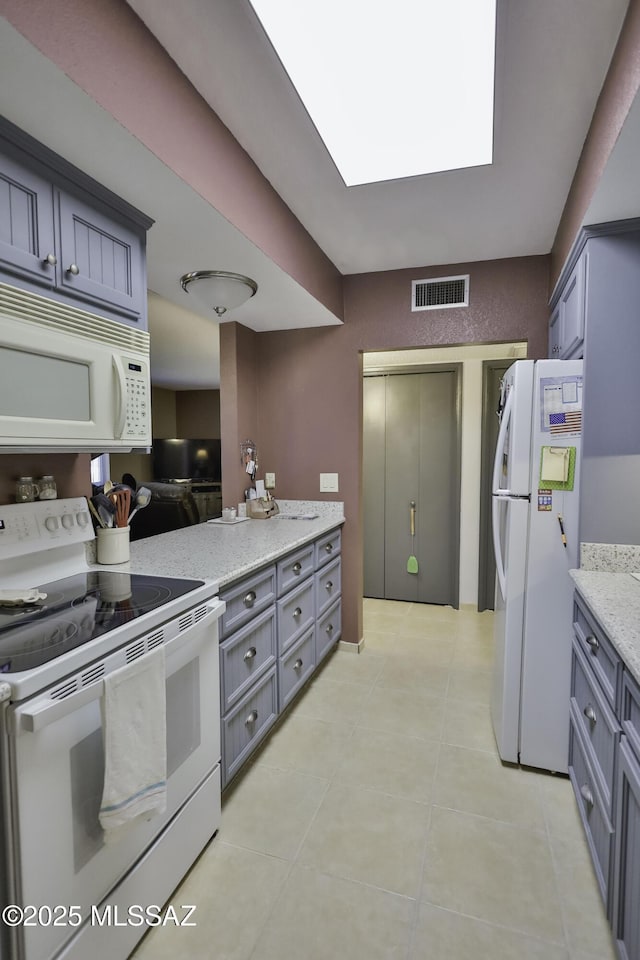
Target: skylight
395, 89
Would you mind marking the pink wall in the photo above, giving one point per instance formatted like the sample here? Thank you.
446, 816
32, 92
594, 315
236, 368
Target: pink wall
104, 48
71, 470
309, 382
615, 100
239, 405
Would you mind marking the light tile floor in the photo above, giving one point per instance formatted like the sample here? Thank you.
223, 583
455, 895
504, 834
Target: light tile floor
377, 822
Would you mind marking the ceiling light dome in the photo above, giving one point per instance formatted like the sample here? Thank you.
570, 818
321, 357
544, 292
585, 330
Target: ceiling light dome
218, 290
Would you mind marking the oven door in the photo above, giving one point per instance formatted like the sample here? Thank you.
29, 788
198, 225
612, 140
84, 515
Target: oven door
57, 768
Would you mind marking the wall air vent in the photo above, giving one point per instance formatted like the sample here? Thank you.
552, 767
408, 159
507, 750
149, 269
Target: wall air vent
439, 293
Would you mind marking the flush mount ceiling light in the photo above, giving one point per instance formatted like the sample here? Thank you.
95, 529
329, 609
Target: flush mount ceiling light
218, 290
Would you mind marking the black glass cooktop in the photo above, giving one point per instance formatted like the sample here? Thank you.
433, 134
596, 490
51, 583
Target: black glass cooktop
78, 609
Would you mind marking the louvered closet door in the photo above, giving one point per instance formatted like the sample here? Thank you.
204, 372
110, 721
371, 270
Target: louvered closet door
411, 453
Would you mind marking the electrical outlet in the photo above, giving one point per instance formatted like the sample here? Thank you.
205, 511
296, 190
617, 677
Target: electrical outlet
328, 483
269, 480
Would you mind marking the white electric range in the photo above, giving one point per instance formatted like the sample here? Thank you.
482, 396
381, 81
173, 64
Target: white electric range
54, 656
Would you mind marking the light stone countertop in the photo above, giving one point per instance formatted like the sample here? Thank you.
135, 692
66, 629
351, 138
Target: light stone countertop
614, 599
225, 553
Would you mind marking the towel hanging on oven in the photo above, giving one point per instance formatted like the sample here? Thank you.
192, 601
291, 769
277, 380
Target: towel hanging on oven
135, 743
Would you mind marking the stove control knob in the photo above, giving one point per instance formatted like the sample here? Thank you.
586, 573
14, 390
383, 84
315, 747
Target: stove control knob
82, 519
51, 524
67, 521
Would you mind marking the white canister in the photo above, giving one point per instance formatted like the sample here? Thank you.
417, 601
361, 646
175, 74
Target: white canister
113, 544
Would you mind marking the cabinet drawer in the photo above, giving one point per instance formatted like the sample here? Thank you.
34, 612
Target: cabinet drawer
246, 655
601, 656
327, 547
295, 667
246, 599
296, 613
596, 720
328, 630
630, 713
594, 817
294, 569
245, 726
328, 585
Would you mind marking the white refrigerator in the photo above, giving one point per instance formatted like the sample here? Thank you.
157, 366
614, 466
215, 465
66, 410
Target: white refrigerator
535, 535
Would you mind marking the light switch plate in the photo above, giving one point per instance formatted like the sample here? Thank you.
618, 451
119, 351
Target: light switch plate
328, 483
269, 480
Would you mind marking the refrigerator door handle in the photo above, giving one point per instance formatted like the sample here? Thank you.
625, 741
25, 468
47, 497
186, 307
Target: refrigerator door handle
502, 433
497, 549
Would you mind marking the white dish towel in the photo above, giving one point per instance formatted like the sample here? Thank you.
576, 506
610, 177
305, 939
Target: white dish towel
134, 722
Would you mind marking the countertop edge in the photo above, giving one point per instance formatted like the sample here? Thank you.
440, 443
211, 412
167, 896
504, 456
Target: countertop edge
210, 551
614, 600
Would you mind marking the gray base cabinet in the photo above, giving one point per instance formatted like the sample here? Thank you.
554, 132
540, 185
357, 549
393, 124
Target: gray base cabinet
278, 625
604, 767
65, 236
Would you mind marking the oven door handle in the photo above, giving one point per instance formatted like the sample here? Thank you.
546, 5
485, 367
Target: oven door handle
44, 710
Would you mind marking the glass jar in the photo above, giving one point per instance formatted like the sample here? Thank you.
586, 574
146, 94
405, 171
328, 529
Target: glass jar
26, 490
47, 489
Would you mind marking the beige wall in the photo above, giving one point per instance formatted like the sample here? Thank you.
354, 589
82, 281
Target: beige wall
198, 414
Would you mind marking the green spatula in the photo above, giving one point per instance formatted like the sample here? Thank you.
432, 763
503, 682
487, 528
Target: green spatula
412, 562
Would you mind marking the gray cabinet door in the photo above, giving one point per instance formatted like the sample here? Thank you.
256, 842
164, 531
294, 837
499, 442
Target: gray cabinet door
626, 903
555, 334
572, 311
421, 465
101, 259
26, 224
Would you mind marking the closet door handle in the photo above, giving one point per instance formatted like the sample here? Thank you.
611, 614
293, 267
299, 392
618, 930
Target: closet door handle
590, 714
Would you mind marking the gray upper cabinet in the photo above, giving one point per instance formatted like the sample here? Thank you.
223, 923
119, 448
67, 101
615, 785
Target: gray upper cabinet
596, 302
101, 259
27, 245
566, 327
65, 236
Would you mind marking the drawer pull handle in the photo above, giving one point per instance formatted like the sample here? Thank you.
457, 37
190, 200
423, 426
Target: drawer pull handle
253, 716
50, 260
329, 547
298, 664
250, 654
297, 567
330, 628
328, 585
297, 612
590, 714
586, 794
592, 642
250, 599
73, 269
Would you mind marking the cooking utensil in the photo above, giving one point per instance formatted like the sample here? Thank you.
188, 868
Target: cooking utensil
95, 513
412, 562
121, 499
105, 508
142, 499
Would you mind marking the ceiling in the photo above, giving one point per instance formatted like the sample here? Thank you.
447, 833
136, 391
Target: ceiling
551, 62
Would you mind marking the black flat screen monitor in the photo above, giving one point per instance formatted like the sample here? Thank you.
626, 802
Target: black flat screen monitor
186, 460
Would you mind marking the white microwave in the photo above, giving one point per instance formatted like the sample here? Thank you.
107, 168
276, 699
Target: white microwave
70, 381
